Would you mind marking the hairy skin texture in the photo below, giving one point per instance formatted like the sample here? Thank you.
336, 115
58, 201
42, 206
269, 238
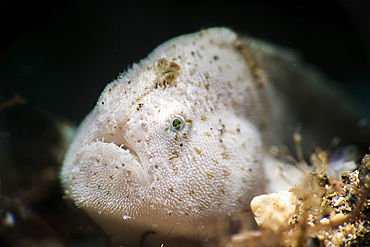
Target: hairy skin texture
177, 144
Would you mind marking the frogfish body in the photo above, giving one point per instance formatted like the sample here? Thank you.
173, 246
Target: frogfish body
177, 144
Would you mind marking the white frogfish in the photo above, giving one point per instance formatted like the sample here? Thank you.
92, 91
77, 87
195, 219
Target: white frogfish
178, 145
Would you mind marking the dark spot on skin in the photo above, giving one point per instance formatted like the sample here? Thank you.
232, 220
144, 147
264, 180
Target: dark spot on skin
139, 106
102, 103
175, 154
199, 152
215, 58
225, 156
223, 128
238, 130
181, 145
192, 53
129, 82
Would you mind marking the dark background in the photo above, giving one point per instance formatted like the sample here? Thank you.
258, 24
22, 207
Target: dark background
59, 55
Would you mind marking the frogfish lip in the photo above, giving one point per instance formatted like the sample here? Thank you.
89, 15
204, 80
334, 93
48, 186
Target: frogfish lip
136, 165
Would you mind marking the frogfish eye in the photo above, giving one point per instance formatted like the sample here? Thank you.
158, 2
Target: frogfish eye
177, 123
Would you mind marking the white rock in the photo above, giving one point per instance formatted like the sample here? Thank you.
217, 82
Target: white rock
272, 211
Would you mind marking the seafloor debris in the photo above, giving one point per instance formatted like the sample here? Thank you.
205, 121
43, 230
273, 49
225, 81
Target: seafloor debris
272, 211
329, 212
345, 207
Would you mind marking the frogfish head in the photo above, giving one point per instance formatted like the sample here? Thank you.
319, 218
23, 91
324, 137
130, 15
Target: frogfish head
172, 145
